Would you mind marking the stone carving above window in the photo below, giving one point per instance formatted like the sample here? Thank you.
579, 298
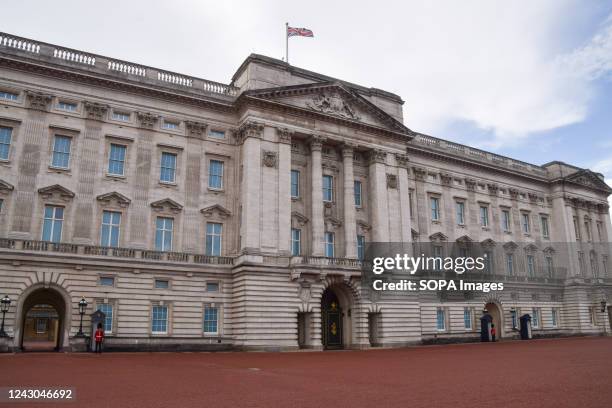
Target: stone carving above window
114, 199
167, 205
56, 191
299, 218
215, 210
391, 181
5, 187
95, 111
147, 120
195, 128
332, 104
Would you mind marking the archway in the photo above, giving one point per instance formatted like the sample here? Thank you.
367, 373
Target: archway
44, 321
336, 318
496, 318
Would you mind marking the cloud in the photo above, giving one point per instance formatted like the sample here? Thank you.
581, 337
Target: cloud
605, 167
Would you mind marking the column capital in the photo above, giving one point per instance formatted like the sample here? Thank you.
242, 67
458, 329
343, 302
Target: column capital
316, 143
348, 149
401, 160
147, 119
250, 129
195, 128
284, 135
94, 110
378, 156
38, 100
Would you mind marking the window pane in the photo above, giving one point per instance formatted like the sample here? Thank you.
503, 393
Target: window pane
357, 190
215, 174
61, 151
295, 183
327, 188
212, 286
168, 167
211, 315
107, 309
5, 142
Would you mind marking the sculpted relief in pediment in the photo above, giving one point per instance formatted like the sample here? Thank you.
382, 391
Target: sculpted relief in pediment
332, 104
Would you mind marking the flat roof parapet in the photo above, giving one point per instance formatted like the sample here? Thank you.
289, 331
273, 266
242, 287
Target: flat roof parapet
99, 64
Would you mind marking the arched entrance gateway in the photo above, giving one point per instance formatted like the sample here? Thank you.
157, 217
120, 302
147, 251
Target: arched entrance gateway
496, 318
336, 319
43, 320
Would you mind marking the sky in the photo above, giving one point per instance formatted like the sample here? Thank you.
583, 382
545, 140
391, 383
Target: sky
528, 79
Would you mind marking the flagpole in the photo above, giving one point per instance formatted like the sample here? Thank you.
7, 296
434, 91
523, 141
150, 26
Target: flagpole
287, 43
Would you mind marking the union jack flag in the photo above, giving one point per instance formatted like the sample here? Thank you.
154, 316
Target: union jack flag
300, 32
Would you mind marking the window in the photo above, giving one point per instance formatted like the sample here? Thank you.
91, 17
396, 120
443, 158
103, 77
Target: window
530, 266
295, 183
581, 262
357, 191
10, 96
411, 204
211, 320
67, 106
510, 264
513, 317
168, 167
212, 286
593, 311
170, 125
506, 220
604, 262
460, 207
535, 317
467, 318
5, 142
545, 229
61, 152
360, 247
111, 222
329, 244
435, 208
600, 231
487, 262
162, 284
587, 228
217, 134
214, 232
42, 325
215, 174
107, 281
484, 216
53, 222
550, 272
116, 159
296, 242
440, 319
122, 116
163, 233
577, 228
107, 309
328, 188
555, 317
594, 265
159, 319
525, 223
1, 204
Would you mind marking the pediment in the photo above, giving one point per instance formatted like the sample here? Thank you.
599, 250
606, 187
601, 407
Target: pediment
549, 250
364, 226
464, 240
531, 248
114, 198
438, 237
488, 243
332, 222
166, 204
510, 246
216, 210
332, 99
300, 218
588, 179
56, 191
4, 186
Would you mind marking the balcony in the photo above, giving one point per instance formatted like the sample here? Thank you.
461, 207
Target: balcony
93, 251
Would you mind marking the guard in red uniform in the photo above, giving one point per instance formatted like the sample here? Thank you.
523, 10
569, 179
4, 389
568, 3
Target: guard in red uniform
99, 338
493, 332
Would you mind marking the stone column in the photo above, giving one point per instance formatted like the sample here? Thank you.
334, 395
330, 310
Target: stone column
404, 191
251, 134
378, 194
350, 226
316, 210
284, 191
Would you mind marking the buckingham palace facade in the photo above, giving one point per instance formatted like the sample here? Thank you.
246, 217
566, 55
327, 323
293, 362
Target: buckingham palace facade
204, 216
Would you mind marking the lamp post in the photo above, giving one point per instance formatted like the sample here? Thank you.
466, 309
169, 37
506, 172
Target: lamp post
82, 307
5, 303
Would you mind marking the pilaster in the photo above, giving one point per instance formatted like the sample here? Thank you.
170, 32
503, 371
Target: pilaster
317, 225
350, 227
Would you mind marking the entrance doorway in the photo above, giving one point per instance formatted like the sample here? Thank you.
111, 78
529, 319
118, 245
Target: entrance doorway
331, 320
496, 318
43, 323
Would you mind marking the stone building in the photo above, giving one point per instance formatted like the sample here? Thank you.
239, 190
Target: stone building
199, 215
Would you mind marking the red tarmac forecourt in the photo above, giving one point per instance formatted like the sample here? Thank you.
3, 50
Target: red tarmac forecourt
574, 372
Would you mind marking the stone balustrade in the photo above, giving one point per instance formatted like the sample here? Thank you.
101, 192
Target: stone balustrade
94, 251
479, 155
31, 49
